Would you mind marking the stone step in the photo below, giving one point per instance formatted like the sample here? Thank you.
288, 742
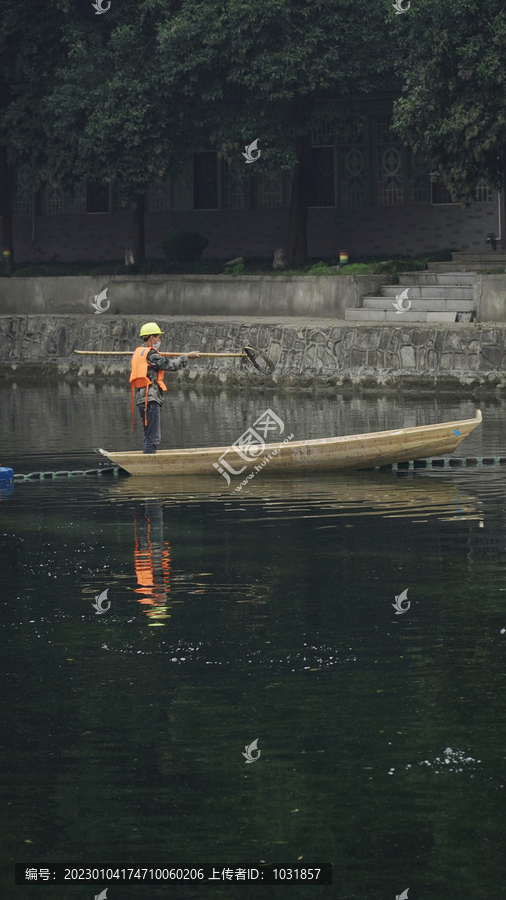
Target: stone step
429, 292
423, 278
420, 305
380, 315
497, 257
449, 267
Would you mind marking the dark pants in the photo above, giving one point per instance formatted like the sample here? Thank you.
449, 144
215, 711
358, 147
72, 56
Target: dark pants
152, 433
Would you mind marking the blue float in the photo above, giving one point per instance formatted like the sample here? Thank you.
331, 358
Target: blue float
6, 476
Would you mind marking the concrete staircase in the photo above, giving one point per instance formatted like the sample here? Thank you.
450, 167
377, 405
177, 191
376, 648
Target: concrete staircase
470, 262
434, 298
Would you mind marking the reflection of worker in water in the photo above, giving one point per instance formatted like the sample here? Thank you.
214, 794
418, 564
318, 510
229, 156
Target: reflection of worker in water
152, 563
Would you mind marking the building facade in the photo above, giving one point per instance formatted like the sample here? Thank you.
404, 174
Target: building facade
368, 194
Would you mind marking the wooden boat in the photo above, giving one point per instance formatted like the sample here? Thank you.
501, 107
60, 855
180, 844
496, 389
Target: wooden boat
356, 451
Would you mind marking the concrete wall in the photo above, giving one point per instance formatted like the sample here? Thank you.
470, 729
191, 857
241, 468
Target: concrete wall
191, 295
307, 353
385, 230
489, 295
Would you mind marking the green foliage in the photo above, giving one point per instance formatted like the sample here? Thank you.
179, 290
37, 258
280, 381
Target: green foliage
453, 109
386, 268
235, 270
30, 54
320, 268
362, 265
271, 69
356, 269
184, 246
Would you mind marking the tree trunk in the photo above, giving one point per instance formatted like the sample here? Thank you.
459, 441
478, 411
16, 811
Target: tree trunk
6, 211
502, 213
296, 252
139, 244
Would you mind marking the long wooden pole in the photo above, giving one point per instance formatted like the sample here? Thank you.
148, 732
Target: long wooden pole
129, 353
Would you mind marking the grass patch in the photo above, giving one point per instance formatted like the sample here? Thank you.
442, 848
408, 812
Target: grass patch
359, 265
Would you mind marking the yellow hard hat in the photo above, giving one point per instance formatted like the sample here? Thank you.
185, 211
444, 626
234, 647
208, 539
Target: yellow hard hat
150, 328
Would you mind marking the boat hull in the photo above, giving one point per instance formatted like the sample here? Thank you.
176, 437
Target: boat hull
358, 451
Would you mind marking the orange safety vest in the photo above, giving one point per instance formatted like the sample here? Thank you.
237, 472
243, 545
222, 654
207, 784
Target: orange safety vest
144, 560
139, 378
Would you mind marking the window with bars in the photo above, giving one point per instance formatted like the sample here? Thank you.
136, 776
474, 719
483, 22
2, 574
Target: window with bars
321, 190
76, 202
388, 152
23, 191
351, 151
58, 201
321, 186
158, 197
181, 188
483, 194
440, 193
419, 178
120, 201
234, 184
270, 189
205, 180
97, 198
323, 135
55, 200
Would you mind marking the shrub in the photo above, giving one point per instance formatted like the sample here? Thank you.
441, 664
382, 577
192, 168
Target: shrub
234, 270
184, 246
356, 269
320, 268
440, 255
386, 268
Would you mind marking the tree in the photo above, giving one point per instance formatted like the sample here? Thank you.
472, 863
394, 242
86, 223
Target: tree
454, 108
29, 53
110, 120
271, 69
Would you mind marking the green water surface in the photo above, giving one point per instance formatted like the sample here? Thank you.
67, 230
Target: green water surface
266, 615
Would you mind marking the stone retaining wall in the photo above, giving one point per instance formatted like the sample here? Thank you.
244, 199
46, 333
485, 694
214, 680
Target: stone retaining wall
307, 353
189, 295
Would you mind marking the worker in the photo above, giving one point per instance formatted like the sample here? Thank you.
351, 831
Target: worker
146, 378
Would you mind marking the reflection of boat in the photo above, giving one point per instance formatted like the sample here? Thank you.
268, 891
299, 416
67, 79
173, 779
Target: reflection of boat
358, 451
324, 496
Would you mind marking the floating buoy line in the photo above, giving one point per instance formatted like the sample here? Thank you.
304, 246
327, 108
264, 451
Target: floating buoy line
7, 476
453, 462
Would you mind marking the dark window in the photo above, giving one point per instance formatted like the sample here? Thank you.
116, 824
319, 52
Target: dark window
321, 177
205, 181
97, 198
440, 193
